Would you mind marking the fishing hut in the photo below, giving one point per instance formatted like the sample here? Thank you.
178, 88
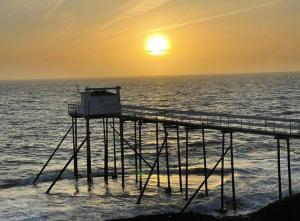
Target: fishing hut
105, 104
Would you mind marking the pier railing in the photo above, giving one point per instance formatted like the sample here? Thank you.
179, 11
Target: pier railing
242, 122
75, 109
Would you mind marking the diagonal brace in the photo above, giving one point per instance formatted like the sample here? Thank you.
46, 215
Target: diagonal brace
131, 147
65, 167
152, 169
204, 181
55, 150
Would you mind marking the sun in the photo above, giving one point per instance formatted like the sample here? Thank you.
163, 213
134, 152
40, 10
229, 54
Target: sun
157, 45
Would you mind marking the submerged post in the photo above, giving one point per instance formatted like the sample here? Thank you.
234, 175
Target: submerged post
232, 173
186, 163
105, 129
157, 150
168, 190
88, 151
152, 169
279, 170
222, 172
122, 151
74, 131
114, 143
140, 159
135, 153
289, 166
179, 158
204, 161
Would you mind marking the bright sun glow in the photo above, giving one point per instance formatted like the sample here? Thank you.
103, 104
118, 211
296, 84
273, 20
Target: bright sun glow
157, 45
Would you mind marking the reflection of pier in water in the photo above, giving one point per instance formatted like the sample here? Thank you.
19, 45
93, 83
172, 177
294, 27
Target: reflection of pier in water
104, 103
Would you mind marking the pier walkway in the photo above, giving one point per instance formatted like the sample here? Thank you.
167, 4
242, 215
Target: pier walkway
215, 121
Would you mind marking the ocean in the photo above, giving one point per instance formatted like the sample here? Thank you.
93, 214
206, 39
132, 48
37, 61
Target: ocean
34, 118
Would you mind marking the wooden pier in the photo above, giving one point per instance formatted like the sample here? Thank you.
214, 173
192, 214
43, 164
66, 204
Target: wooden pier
173, 121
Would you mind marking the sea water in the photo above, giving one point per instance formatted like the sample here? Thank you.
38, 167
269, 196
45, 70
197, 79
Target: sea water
34, 118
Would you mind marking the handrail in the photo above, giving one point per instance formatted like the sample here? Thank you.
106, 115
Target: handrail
75, 108
170, 111
266, 124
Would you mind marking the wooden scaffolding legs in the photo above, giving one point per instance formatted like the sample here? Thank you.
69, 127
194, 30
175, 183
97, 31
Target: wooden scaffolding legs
140, 159
168, 189
115, 175
122, 151
51, 156
222, 173
88, 151
288, 166
65, 167
203, 183
157, 150
221, 160
105, 135
232, 171
279, 170
153, 167
135, 153
179, 159
186, 163
204, 161
74, 132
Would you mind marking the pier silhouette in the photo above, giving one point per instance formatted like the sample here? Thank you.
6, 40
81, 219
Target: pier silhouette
105, 104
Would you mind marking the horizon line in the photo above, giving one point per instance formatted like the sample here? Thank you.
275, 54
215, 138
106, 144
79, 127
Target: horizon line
151, 76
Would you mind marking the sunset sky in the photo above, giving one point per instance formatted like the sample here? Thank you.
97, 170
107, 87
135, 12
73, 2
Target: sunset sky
104, 38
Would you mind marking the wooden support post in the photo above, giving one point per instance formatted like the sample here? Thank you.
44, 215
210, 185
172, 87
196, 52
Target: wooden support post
132, 148
140, 159
201, 185
186, 163
104, 146
151, 171
204, 161
289, 166
168, 190
105, 150
75, 140
122, 151
65, 167
115, 175
157, 149
179, 158
232, 173
222, 172
135, 153
88, 151
279, 170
